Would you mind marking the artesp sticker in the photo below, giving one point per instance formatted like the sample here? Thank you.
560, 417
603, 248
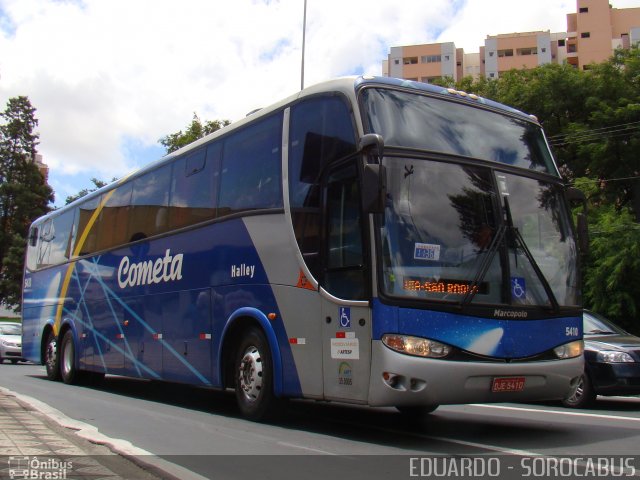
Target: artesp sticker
345, 348
426, 251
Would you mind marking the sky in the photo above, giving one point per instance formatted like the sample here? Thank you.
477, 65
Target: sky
109, 78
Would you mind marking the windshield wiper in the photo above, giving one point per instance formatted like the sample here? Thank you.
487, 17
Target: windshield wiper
484, 266
517, 236
488, 258
536, 269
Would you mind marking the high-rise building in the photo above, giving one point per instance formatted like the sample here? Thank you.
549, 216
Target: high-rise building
597, 29
43, 167
593, 33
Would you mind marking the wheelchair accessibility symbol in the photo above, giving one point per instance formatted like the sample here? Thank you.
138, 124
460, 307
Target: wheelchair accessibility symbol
345, 317
518, 288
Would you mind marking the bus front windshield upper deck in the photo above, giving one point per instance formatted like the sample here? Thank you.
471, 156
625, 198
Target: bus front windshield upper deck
427, 123
464, 233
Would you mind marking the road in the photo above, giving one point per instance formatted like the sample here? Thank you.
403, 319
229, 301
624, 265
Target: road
201, 430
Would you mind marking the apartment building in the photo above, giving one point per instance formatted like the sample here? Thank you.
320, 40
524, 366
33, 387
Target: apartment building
597, 29
424, 63
43, 167
515, 50
594, 31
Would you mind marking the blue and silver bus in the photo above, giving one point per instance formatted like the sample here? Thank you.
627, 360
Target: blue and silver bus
367, 240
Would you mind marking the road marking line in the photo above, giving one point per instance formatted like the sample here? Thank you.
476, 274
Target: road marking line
486, 446
557, 412
301, 447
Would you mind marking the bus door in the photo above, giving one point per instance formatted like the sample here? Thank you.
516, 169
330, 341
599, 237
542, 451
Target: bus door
345, 312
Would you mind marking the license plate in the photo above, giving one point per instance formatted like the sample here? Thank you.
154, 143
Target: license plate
507, 384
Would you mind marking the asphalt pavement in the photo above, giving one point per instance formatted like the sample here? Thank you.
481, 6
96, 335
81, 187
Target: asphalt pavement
37, 441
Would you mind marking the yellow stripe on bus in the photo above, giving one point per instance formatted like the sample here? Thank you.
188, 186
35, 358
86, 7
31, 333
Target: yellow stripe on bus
76, 252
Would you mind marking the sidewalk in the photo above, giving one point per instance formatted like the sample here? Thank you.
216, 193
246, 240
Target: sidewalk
35, 445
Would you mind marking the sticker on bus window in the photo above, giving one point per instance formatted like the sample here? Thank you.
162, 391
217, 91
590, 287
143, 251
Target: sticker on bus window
518, 288
426, 251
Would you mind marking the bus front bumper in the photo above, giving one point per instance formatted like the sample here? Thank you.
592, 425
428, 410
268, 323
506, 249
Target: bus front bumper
404, 380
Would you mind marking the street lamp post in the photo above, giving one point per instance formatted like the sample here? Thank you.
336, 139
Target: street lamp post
304, 29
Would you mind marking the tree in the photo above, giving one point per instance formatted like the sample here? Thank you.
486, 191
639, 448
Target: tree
612, 268
195, 130
24, 193
97, 184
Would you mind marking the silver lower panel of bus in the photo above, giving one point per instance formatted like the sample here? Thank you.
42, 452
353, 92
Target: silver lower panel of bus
420, 381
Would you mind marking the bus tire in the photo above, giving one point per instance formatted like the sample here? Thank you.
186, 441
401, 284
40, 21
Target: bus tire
51, 357
67, 361
416, 412
253, 376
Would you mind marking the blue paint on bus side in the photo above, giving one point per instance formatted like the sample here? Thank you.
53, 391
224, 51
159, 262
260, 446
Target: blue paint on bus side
159, 309
490, 337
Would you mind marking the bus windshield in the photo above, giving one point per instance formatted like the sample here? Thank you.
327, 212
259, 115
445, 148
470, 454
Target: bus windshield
464, 233
427, 123
441, 225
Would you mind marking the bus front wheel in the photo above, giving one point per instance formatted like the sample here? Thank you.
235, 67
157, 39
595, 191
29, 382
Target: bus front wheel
51, 357
253, 373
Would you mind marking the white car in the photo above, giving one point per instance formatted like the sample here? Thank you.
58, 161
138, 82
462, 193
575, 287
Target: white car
11, 342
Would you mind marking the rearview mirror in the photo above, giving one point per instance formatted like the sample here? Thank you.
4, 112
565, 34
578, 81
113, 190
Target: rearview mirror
374, 188
373, 144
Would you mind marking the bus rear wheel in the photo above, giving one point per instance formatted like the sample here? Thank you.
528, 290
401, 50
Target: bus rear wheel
253, 373
68, 370
51, 357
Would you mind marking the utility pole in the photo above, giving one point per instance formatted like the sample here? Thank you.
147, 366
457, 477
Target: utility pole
304, 30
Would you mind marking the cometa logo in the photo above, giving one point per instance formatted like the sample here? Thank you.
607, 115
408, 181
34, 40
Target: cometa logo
163, 269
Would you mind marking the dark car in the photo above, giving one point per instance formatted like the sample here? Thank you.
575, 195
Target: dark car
612, 362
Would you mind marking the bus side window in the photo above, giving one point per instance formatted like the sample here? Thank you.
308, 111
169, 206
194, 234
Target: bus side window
114, 218
344, 259
62, 238
149, 214
250, 176
44, 244
86, 211
193, 189
321, 132
31, 259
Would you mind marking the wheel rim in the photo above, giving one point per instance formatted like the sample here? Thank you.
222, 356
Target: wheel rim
51, 355
250, 374
577, 396
67, 358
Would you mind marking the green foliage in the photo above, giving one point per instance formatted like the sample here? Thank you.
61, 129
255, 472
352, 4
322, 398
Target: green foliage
97, 184
24, 194
611, 284
195, 130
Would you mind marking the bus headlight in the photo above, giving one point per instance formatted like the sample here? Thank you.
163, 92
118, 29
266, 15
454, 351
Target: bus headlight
570, 350
420, 347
